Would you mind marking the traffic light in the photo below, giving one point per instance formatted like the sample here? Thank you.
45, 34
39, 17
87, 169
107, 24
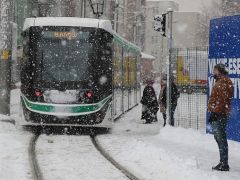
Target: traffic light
160, 24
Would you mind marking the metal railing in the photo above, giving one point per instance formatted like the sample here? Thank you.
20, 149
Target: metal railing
190, 68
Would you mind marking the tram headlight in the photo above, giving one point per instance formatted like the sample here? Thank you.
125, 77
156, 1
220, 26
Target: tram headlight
38, 93
89, 94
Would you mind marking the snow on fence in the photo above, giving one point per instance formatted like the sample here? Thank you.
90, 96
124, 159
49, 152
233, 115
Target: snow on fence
190, 68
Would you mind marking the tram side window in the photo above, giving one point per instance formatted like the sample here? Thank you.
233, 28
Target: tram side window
125, 69
138, 77
117, 65
132, 69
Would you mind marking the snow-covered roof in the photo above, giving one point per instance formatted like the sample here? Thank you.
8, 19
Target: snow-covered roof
68, 21
77, 22
187, 12
147, 56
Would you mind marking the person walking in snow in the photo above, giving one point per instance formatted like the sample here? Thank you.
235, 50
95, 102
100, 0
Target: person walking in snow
163, 99
149, 103
219, 108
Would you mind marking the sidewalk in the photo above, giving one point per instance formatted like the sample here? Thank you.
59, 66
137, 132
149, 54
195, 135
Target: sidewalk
167, 153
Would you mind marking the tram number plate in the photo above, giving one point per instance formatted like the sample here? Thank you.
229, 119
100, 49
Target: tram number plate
63, 109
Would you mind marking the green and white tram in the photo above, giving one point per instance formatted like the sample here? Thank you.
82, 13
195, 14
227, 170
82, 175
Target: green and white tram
76, 72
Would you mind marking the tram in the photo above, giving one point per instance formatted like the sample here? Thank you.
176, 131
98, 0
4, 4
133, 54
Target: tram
76, 72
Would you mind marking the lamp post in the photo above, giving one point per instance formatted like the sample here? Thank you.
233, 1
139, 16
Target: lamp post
6, 19
97, 7
117, 6
169, 72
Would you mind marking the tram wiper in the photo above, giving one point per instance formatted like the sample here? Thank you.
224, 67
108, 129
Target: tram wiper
48, 73
51, 76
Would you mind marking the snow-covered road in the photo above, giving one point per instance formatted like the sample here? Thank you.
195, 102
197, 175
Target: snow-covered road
148, 151
14, 162
73, 157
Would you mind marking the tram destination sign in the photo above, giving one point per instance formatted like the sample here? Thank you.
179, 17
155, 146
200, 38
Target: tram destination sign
66, 34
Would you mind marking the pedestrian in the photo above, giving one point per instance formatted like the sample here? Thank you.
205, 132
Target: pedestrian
163, 99
149, 103
219, 108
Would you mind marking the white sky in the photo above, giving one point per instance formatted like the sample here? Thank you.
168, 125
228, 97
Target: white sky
190, 5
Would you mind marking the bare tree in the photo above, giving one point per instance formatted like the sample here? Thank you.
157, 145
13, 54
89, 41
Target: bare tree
70, 8
218, 8
230, 7
215, 10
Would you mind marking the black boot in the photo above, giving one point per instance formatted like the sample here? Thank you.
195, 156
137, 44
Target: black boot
221, 167
148, 122
155, 119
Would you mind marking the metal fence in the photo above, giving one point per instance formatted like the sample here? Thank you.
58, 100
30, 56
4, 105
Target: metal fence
190, 68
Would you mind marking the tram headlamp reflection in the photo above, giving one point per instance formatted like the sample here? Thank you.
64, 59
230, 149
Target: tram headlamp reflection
38, 93
89, 94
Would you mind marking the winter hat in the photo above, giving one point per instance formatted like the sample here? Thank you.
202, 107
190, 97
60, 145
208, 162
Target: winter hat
149, 81
221, 68
164, 77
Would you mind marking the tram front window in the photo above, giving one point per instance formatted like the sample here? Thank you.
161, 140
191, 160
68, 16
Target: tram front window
65, 56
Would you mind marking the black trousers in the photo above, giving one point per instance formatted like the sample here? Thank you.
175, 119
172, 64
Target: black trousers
172, 121
219, 131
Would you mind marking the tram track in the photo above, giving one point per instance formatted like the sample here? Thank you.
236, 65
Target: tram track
35, 166
110, 159
10, 121
36, 171
106, 155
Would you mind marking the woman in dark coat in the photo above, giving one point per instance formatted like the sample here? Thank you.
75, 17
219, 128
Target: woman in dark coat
150, 104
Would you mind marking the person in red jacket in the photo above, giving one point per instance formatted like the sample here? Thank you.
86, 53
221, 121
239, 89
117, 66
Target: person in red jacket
219, 107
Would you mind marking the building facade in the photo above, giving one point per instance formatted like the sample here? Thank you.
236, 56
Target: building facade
130, 20
231, 7
126, 15
155, 44
147, 69
187, 30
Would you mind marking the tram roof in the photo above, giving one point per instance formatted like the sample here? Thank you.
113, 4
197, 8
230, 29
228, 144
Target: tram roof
68, 21
75, 22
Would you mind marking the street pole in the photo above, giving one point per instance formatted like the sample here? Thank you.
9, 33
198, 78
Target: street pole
134, 31
116, 7
6, 18
83, 8
162, 55
169, 64
115, 17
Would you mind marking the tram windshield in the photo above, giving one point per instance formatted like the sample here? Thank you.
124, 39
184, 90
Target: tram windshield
65, 55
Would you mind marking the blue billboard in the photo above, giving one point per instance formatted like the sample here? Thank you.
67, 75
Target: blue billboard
224, 47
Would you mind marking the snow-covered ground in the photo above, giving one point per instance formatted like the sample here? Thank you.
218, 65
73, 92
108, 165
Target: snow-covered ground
73, 157
149, 151
14, 162
155, 153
